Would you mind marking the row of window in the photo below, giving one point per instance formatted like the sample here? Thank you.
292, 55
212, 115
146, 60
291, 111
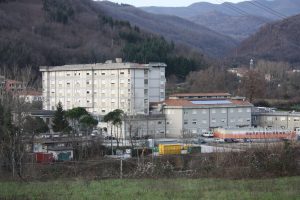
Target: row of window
213, 111
80, 73
268, 133
296, 119
194, 121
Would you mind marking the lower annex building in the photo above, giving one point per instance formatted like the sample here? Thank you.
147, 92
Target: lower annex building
195, 114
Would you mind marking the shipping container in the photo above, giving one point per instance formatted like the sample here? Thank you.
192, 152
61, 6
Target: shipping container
169, 149
42, 157
64, 156
194, 149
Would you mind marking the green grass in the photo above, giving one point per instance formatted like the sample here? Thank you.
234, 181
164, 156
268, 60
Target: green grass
280, 188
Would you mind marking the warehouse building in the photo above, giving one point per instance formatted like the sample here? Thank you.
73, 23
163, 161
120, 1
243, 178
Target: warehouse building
276, 119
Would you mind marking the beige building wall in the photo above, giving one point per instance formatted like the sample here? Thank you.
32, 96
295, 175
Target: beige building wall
101, 88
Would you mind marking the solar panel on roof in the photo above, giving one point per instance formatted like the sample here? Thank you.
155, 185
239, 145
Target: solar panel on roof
212, 102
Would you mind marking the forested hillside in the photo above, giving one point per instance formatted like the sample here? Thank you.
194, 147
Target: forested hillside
173, 28
57, 32
278, 41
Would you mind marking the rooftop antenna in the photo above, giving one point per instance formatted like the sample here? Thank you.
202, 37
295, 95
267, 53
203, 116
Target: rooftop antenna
251, 64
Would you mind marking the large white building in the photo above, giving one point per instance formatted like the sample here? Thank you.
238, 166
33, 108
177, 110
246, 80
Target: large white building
104, 87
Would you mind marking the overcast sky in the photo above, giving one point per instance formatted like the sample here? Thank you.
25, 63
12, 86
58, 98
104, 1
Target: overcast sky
168, 3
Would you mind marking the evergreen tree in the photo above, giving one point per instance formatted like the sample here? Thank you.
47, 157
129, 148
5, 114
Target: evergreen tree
60, 124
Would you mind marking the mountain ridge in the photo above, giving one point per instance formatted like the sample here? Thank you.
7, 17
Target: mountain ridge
258, 13
173, 28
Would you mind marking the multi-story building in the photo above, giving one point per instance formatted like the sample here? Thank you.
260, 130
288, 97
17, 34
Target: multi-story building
104, 87
186, 118
276, 119
14, 87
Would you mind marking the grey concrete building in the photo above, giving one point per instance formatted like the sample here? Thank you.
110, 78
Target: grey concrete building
145, 126
188, 118
276, 119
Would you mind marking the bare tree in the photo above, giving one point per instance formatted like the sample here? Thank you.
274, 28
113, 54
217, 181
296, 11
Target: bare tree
253, 85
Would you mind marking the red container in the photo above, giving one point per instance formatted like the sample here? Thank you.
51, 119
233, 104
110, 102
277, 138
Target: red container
44, 157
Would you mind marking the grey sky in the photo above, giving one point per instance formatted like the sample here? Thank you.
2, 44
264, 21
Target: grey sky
168, 3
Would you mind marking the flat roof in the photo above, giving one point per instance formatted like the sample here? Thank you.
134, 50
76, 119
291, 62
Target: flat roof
212, 102
101, 66
206, 103
199, 94
277, 113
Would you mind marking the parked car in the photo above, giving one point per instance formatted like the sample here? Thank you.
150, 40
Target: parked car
219, 140
208, 134
135, 137
110, 138
201, 141
231, 140
246, 140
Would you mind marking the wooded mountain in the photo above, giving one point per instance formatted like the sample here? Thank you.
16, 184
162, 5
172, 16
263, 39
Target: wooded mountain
173, 28
248, 16
58, 32
279, 41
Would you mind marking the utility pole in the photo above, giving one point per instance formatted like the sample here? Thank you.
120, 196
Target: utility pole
121, 168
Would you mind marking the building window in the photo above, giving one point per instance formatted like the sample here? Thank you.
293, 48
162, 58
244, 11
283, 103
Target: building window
213, 120
103, 75
240, 110
159, 122
213, 111
88, 73
194, 112
223, 111
122, 73
185, 122
194, 122
248, 110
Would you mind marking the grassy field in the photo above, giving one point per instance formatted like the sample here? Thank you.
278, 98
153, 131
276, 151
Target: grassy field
281, 188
